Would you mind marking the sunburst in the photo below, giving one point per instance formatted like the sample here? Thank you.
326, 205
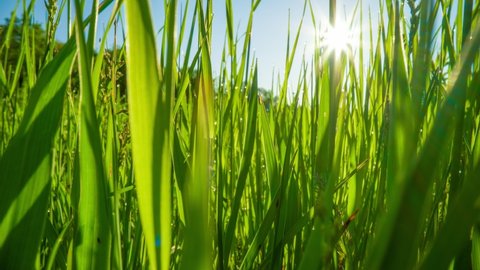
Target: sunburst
339, 39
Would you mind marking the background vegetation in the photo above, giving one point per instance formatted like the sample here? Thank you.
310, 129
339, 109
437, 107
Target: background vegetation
133, 157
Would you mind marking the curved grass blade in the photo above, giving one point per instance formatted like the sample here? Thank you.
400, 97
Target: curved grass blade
26, 165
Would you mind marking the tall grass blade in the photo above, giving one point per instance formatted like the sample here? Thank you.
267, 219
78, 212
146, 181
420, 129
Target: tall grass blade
92, 238
198, 235
25, 166
149, 108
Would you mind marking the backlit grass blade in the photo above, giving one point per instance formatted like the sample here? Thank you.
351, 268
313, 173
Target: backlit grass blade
92, 238
26, 165
197, 233
149, 110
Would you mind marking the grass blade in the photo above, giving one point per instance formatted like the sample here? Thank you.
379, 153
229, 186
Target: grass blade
26, 165
149, 109
93, 234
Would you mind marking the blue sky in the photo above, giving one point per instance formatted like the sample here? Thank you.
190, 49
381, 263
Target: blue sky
269, 36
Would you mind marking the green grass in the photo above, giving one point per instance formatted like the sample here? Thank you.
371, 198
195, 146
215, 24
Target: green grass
136, 157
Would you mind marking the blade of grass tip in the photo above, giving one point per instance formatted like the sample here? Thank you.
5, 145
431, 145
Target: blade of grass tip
26, 165
291, 53
149, 112
92, 238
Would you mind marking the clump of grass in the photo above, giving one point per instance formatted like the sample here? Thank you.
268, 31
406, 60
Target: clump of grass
132, 157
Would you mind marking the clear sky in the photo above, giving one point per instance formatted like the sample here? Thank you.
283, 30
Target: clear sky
270, 25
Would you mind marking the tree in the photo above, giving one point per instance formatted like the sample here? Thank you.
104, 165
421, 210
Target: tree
11, 49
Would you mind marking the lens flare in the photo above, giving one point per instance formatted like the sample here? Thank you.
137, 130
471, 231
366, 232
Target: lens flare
339, 39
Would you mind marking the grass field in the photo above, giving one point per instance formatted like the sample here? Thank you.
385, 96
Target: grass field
133, 157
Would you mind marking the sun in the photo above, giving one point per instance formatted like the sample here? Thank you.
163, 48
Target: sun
339, 39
